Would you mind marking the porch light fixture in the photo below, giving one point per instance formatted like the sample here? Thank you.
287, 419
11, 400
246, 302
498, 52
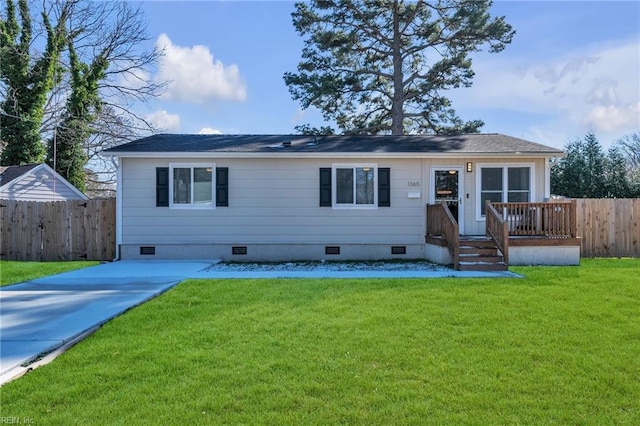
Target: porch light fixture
469, 167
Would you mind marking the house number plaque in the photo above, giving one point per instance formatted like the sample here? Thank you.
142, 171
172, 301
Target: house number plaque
413, 184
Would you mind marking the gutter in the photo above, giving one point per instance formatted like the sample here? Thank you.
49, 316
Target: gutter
118, 206
304, 154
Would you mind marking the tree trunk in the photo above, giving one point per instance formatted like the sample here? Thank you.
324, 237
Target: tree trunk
397, 113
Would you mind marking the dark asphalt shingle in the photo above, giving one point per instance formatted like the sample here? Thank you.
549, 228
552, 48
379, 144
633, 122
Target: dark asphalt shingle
465, 144
9, 173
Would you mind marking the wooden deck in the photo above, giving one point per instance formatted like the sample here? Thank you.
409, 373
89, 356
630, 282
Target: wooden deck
548, 224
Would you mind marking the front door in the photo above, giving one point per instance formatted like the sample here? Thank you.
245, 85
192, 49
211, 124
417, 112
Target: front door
447, 186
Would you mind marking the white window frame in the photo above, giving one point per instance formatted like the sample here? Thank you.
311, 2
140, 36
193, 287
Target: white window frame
505, 182
211, 205
334, 186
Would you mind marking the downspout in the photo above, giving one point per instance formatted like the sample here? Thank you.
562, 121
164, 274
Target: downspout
547, 179
118, 207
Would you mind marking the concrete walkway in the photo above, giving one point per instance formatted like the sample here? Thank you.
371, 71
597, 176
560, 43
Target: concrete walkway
47, 315
41, 316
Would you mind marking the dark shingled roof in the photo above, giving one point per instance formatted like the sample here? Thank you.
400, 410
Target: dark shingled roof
464, 144
9, 173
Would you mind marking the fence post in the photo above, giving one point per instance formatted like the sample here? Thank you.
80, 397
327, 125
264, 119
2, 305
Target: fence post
573, 216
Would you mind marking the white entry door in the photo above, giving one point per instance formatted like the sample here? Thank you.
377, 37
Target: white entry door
447, 185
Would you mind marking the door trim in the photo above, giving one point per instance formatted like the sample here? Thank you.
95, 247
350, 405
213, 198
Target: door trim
461, 201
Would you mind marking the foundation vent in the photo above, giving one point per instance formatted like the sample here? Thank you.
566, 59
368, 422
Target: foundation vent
332, 250
398, 249
241, 250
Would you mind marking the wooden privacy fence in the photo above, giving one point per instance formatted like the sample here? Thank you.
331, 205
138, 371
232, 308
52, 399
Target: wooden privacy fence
58, 230
609, 227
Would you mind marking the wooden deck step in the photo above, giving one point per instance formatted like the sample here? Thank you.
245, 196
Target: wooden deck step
480, 254
482, 266
476, 242
491, 258
484, 251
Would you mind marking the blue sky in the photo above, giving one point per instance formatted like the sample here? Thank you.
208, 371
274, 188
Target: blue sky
573, 67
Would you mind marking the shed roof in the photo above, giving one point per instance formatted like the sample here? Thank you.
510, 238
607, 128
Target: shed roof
10, 173
433, 144
22, 177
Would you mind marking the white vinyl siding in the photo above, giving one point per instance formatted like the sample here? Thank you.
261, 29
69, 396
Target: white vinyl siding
39, 185
276, 201
271, 201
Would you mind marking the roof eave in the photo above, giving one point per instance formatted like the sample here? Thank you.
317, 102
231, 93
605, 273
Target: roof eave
227, 154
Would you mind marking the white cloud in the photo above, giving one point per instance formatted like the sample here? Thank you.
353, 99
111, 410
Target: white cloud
610, 118
604, 91
194, 76
163, 121
209, 131
594, 88
574, 68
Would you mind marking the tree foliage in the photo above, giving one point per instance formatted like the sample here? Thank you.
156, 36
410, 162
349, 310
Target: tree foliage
629, 146
27, 81
99, 70
587, 172
306, 129
66, 149
381, 66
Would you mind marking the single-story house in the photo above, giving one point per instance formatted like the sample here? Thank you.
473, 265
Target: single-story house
478, 201
36, 182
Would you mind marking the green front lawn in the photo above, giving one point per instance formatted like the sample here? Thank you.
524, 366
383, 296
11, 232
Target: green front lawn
560, 346
12, 272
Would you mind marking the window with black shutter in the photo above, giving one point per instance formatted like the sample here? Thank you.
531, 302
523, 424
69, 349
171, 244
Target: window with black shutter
222, 187
162, 187
352, 186
192, 186
325, 187
384, 187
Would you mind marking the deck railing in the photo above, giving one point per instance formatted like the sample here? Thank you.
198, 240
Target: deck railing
553, 219
440, 221
497, 228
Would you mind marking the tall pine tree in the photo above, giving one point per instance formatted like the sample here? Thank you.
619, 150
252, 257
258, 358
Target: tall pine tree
594, 175
616, 182
381, 67
586, 172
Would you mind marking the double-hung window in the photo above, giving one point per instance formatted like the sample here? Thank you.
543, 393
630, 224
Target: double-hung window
504, 184
355, 185
192, 185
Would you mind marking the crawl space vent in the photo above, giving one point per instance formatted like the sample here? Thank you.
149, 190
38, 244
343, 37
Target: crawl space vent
332, 250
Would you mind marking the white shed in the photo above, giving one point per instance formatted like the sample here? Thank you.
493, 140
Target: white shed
36, 182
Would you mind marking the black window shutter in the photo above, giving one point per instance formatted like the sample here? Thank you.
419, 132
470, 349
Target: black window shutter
162, 187
384, 187
222, 186
325, 187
